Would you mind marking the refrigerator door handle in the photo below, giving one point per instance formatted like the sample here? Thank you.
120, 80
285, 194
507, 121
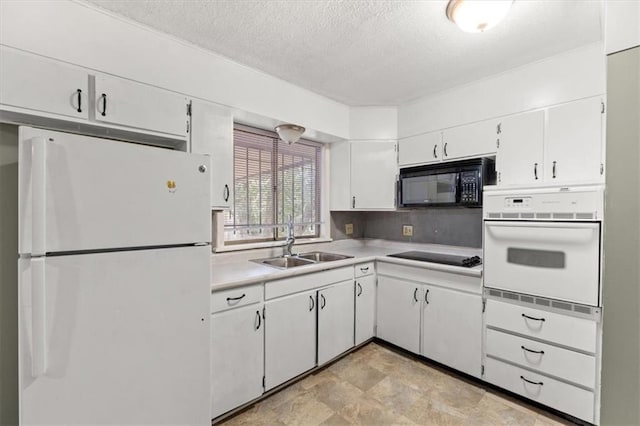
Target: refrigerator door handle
38, 318
38, 196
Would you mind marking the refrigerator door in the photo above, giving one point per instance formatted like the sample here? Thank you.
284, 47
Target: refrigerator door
81, 193
115, 338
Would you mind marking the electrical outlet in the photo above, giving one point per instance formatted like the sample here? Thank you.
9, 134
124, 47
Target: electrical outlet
407, 230
348, 229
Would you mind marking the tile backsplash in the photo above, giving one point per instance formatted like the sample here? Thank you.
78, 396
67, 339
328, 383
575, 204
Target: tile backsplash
450, 226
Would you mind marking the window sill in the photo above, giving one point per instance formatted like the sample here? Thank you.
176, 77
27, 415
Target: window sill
269, 244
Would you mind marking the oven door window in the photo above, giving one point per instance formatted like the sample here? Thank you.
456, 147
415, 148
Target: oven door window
430, 189
537, 258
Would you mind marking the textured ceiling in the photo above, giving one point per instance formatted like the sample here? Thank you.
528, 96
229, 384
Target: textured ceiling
368, 52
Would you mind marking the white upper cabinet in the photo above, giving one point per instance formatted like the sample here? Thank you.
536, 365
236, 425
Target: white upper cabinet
212, 134
363, 175
472, 140
42, 86
573, 147
559, 145
420, 149
520, 153
373, 174
126, 103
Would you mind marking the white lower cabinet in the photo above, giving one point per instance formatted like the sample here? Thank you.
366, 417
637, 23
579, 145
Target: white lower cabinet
399, 305
335, 320
452, 329
237, 357
365, 316
290, 337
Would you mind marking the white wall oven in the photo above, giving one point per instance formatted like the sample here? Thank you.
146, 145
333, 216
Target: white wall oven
544, 242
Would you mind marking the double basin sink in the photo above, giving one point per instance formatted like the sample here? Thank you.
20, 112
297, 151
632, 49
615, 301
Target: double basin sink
302, 259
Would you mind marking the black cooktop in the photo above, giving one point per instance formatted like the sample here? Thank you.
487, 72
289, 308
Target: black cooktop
447, 259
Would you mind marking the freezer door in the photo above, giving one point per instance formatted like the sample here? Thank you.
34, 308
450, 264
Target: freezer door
115, 338
81, 193
549, 259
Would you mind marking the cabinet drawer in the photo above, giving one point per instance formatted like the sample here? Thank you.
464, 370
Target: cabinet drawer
235, 297
278, 288
563, 363
364, 269
566, 330
569, 399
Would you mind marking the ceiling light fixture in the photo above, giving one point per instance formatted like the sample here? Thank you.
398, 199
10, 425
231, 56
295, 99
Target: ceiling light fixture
290, 133
476, 16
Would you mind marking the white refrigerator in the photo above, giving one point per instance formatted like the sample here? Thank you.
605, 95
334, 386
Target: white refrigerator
114, 282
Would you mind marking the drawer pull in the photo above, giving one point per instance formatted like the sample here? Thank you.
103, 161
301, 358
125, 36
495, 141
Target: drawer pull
532, 351
230, 299
533, 318
364, 269
533, 383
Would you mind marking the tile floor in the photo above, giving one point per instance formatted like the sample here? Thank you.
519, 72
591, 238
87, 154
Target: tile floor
377, 386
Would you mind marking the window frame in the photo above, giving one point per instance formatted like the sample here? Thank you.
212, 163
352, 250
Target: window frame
279, 231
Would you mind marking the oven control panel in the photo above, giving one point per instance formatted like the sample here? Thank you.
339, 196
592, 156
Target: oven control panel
517, 202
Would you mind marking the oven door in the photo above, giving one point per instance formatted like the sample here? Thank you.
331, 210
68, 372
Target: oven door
426, 190
558, 260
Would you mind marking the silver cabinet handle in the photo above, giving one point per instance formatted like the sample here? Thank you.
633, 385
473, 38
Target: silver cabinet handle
259, 320
104, 104
445, 149
524, 348
360, 289
535, 170
415, 294
435, 151
364, 269
533, 318
426, 296
226, 192
353, 202
554, 169
324, 302
313, 303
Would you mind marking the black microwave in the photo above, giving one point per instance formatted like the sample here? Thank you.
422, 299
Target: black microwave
456, 183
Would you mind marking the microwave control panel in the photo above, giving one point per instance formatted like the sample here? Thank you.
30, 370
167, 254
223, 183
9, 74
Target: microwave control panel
470, 187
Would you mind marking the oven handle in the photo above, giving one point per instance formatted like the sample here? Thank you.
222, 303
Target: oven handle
580, 233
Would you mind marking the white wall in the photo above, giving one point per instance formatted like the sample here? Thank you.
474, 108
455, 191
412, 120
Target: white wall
366, 123
82, 35
622, 25
569, 76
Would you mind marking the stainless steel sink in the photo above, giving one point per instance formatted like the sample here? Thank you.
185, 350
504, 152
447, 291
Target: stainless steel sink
286, 262
320, 256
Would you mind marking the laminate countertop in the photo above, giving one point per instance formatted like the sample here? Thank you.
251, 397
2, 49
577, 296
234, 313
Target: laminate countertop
234, 269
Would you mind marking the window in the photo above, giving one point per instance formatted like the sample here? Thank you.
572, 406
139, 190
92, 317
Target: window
273, 182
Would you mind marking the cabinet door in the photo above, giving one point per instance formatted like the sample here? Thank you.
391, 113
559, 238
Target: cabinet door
452, 329
126, 103
573, 147
373, 174
237, 357
420, 149
290, 337
365, 290
340, 178
42, 85
212, 134
472, 140
399, 305
335, 321
520, 154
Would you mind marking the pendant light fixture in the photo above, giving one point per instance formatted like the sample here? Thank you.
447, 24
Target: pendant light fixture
290, 133
476, 16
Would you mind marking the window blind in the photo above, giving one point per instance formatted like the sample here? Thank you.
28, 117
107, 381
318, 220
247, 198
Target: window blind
273, 181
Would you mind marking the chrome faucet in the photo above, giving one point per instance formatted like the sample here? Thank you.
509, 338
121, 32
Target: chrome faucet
290, 238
